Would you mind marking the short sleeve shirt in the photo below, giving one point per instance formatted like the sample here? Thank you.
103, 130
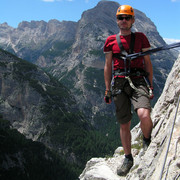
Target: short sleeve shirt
141, 42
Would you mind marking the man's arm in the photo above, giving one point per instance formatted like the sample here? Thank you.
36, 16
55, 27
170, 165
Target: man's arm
108, 70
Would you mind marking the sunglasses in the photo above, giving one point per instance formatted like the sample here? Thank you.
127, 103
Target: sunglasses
127, 18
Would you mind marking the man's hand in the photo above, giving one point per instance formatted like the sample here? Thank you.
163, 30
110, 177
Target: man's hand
107, 97
151, 93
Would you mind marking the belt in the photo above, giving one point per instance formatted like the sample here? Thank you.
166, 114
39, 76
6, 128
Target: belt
133, 72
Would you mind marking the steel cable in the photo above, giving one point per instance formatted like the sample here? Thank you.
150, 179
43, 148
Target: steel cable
169, 140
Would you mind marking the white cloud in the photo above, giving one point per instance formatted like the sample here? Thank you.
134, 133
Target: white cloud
170, 41
48, 0
175, 0
56, 0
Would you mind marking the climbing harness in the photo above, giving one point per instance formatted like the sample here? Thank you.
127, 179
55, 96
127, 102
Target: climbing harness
124, 53
127, 72
127, 61
169, 139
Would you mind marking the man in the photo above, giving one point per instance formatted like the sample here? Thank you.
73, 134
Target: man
129, 82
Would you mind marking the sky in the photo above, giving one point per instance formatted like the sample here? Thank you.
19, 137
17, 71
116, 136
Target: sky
164, 13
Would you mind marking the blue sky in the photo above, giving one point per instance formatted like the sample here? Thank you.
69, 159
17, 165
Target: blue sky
164, 13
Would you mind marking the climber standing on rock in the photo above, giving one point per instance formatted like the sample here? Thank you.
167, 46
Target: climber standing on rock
131, 82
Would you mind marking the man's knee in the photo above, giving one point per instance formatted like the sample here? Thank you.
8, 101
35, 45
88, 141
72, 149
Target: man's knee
143, 114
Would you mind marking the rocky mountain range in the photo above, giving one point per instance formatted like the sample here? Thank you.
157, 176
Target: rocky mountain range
162, 158
55, 95
73, 52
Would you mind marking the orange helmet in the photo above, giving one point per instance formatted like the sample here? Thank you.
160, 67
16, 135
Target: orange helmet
125, 9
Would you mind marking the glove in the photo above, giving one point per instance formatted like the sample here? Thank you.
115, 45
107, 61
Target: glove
151, 93
107, 97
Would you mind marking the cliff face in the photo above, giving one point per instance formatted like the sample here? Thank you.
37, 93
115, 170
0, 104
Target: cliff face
39, 107
149, 165
20, 103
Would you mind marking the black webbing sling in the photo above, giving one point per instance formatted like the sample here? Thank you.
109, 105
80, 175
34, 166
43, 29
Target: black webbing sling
136, 55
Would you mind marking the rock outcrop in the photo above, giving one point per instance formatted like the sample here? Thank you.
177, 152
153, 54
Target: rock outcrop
162, 158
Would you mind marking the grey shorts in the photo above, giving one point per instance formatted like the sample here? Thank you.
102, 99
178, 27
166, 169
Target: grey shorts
128, 97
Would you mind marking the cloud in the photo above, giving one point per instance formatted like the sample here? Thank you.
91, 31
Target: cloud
48, 0
56, 0
175, 0
170, 41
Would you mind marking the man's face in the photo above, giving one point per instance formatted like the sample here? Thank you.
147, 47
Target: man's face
125, 22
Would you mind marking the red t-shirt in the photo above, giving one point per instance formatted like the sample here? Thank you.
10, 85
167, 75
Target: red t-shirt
141, 42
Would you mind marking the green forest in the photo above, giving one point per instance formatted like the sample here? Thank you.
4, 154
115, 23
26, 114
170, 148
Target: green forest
26, 159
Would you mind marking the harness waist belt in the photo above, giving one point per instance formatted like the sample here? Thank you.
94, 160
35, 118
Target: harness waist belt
133, 72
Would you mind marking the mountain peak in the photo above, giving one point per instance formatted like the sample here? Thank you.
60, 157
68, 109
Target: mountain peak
31, 25
103, 9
